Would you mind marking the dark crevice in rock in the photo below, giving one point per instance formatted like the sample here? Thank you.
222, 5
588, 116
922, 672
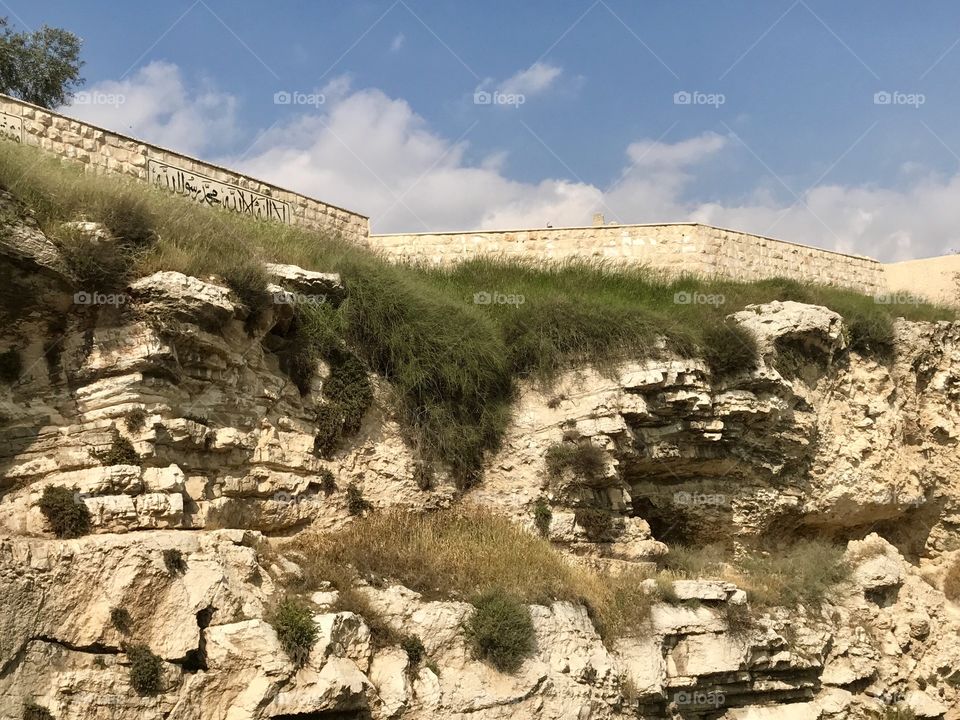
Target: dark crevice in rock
20, 654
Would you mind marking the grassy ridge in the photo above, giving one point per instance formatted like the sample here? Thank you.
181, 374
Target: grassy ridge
466, 553
452, 362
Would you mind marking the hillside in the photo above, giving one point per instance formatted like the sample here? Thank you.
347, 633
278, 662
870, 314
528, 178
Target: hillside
249, 471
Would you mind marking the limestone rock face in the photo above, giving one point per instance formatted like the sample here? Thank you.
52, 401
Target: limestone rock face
63, 646
837, 444
169, 416
221, 436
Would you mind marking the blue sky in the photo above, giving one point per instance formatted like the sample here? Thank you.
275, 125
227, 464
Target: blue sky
784, 133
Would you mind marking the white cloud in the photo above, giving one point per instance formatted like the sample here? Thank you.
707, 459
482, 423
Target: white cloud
372, 153
535, 79
397, 42
157, 105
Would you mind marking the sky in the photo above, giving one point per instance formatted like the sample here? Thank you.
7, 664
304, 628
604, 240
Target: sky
824, 123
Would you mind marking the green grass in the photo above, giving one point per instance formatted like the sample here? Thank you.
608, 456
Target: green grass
452, 364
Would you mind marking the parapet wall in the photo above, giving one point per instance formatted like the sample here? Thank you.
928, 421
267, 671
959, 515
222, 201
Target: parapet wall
108, 152
675, 248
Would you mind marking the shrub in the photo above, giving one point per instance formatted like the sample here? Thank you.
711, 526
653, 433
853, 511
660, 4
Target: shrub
413, 646
329, 422
951, 581
68, 516
135, 419
665, 589
356, 503
174, 562
500, 630
542, 516
120, 452
11, 365
728, 348
121, 620
327, 482
596, 523
293, 623
32, 711
587, 461
146, 670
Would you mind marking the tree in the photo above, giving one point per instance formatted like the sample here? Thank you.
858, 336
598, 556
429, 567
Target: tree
42, 66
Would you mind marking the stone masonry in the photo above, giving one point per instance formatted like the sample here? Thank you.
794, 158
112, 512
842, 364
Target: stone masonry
108, 152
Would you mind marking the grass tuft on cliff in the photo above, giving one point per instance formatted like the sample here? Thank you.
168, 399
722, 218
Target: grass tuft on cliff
450, 350
801, 573
464, 554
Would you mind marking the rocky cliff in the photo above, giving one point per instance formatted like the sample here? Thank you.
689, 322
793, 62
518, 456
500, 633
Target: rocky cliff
166, 412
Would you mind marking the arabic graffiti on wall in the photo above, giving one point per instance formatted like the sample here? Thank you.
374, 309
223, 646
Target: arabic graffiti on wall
213, 192
11, 127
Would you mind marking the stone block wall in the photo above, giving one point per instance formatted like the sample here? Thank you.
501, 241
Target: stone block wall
108, 152
674, 248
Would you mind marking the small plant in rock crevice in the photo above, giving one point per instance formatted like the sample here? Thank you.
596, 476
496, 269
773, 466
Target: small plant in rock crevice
135, 420
120, 452
413, 646
65, 511
356, 503
729, 348
295, 628
121, 620
146, 669
327, 482
174, 562
542, 517
598, 524
424, 475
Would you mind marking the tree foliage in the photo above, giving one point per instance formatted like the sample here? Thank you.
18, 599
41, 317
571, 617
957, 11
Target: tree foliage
40, 66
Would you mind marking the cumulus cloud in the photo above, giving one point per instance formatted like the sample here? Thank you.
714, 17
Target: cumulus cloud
373, 153
156, 104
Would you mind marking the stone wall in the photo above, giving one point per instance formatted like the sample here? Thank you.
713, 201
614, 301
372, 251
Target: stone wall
936, 278
675, 248
111, 153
